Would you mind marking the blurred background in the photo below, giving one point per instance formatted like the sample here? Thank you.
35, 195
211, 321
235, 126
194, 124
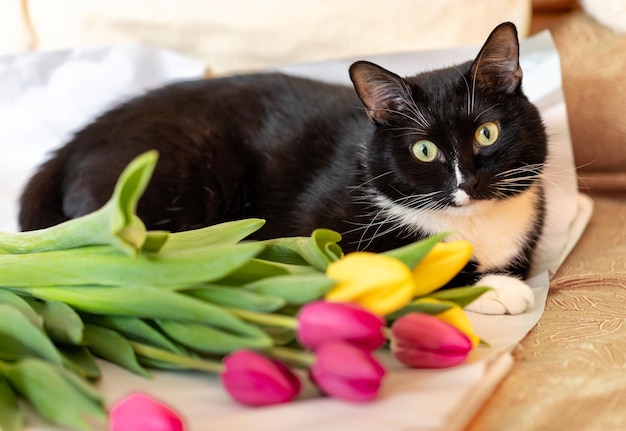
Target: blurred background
243, 35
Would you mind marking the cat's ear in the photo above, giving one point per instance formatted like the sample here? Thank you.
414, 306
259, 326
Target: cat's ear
381, 91
497, 66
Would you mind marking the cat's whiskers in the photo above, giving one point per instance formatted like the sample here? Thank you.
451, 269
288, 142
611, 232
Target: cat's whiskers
515, 180
380, 217
410, 131
476, 67
483, 112
555, 184
415, 110
368, 181
418, 117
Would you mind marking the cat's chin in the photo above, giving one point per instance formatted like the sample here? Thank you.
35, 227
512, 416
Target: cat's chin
469, 207
461, 198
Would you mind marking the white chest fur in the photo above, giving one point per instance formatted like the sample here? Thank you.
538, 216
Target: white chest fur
497, 230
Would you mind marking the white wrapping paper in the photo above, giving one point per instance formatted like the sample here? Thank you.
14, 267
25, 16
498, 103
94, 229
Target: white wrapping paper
45, 96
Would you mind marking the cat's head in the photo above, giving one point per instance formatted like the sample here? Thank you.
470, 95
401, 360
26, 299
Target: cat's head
455, 136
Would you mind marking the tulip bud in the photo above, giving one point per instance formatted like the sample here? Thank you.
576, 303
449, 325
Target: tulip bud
321, 322
345, 371
380, 283
423, 341
456, 317
442, 263
140, 412
255, 380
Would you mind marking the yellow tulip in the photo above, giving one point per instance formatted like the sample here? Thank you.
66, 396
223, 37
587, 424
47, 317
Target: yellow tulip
440, 265
379, 283
456, 317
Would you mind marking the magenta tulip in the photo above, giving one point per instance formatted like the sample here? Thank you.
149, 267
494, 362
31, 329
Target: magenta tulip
345, 371
423, 341
256, 380
321, 322
138, 412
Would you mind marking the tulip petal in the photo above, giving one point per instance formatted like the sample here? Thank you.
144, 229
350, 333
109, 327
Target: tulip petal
141, 412
320, 322
344, 371
442, 263
423, 341
255, 380
456, 317
384, 302
362, 274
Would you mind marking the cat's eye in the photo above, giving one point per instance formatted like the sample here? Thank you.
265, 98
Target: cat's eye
425, 151
487, 134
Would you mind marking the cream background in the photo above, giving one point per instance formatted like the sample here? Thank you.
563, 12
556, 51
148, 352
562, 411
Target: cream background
241, 35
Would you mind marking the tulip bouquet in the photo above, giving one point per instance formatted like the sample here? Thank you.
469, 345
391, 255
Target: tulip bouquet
263, 315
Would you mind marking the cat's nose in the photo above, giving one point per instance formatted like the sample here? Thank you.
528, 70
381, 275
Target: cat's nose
469, 185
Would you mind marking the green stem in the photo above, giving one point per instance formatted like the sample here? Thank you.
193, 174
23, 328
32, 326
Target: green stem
268, 319
294, 357
173, 358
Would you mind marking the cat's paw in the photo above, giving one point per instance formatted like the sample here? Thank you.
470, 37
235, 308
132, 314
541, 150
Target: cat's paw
509, 295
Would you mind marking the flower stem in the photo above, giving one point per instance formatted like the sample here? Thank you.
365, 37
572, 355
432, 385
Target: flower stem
268, 319
294, 357
173, 358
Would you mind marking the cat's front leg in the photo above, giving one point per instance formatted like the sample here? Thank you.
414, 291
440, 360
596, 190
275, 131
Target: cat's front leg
508, 295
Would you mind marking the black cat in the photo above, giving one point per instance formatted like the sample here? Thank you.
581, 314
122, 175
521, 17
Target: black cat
459, 149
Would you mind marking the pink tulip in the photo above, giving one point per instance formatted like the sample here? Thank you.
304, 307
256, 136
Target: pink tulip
423, 341
138, 412
256, 380
321, 322
345, 371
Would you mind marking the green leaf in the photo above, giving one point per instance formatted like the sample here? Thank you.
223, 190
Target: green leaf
210, 340
52, 395
10, 415
461, 296
236, 297
113, 347
295, 289
205, 339
22, 305
324, 242
413, 254
80, 360
419, 307
135, 329
318, 250
61, 322
104, 265
145, 302
115, 223
224, 233
155, 240
253, 270
19, 338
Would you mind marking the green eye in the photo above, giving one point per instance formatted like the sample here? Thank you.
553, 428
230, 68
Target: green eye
487, 134
425, 151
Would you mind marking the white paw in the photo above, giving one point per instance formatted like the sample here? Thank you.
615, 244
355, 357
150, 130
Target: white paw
509, 295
